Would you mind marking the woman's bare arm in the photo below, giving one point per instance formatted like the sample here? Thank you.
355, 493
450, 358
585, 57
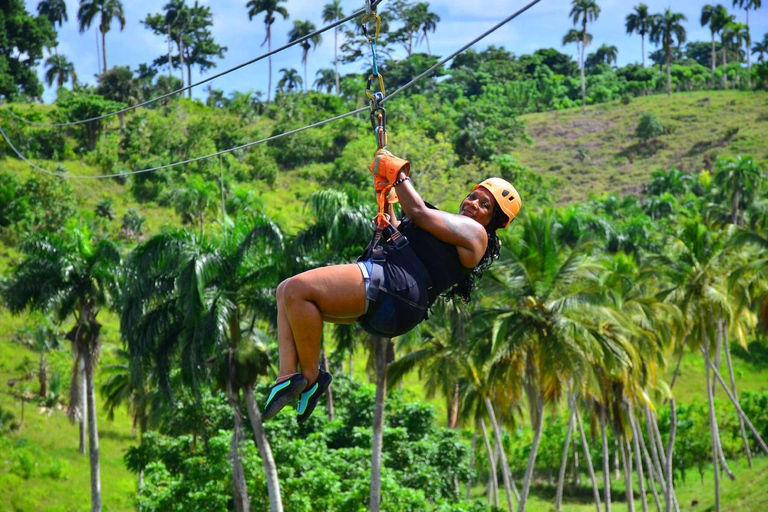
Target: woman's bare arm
463, 232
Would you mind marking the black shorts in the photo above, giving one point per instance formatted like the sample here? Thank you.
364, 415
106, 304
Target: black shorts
402, 300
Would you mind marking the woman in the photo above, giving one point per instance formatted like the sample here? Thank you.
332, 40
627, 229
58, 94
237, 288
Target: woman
391, 288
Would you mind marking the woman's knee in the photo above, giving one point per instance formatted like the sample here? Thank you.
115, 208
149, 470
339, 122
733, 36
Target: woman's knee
293, 289
280, 292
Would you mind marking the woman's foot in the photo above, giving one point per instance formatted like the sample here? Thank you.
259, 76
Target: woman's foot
310, 397
282, 393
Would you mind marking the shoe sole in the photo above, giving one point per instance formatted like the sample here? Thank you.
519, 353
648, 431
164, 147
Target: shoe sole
278, 403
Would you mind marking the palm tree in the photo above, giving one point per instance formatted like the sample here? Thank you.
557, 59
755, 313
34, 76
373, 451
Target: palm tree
639, 22
429, 21
269, 8
290, 80
552, 318
55, 11
665, 29
60, 70
194, 199
607, 54
716, 17
761, 48
733, 36
70, 275
699, 290
192, 301
299, 30
107, 10
739, 178
575, 36
747, 5
584, 11
332, 12
326, 78
726, 40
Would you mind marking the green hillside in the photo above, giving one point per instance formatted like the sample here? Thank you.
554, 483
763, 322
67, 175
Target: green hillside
598, 150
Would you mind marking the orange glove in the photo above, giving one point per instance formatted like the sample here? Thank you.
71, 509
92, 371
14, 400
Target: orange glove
385, 168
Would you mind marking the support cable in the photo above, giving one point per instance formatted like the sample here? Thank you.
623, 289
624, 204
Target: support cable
201, 82
283, 134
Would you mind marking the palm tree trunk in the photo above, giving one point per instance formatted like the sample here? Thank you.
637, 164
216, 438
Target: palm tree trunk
588, 458
629, 492
336, 58
181, 58
642, 38
509, 486
727, 349
189, 78
539, 425
93, 436
42, 375
725, 75
305, 75
380, 353
104, 49
669, 492
170, 45
653, 476
453, 407
749, 54
735, 207
491, 464
712, 430
429, 50
265, 452
239, 488
741, 412
714, 56
713, 419
639, 459
606, 461
98, 63
328, 392
669, 70
472, 462
269, 49
583, 83
616, 461
564, 464
83, 404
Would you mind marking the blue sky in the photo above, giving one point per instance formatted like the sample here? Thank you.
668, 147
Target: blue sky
541, 27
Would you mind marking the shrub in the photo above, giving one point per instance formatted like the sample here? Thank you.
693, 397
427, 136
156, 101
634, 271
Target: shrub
649, 127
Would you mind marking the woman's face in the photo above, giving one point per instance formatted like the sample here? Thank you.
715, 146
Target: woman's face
479, 206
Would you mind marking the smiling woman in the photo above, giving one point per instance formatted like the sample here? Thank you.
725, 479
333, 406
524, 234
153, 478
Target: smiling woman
391, 287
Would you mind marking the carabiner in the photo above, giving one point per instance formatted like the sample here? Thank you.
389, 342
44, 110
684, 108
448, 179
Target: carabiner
381, 88
365, 26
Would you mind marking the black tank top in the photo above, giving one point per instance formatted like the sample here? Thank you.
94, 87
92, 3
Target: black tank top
441, 259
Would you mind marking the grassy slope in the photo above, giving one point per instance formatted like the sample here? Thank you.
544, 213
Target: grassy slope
606, 133
557, 138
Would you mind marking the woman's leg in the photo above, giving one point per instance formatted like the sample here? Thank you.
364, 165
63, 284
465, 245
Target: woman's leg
336, 292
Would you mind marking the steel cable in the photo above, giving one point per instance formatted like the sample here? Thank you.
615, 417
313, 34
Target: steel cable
201, 82
283, 134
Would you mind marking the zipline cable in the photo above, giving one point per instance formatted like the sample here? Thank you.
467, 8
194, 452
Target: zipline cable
201, 82
273, 137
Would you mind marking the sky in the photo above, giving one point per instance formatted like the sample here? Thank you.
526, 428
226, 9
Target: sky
543, 26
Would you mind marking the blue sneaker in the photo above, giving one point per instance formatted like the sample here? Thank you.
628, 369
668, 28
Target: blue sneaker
309, 398
282, 394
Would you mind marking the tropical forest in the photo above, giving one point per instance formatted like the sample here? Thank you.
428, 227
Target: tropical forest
613, 358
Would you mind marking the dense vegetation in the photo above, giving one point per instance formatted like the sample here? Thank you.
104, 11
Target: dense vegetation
148, 298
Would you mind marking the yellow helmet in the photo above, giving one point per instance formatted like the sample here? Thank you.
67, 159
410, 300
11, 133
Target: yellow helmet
506, 196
